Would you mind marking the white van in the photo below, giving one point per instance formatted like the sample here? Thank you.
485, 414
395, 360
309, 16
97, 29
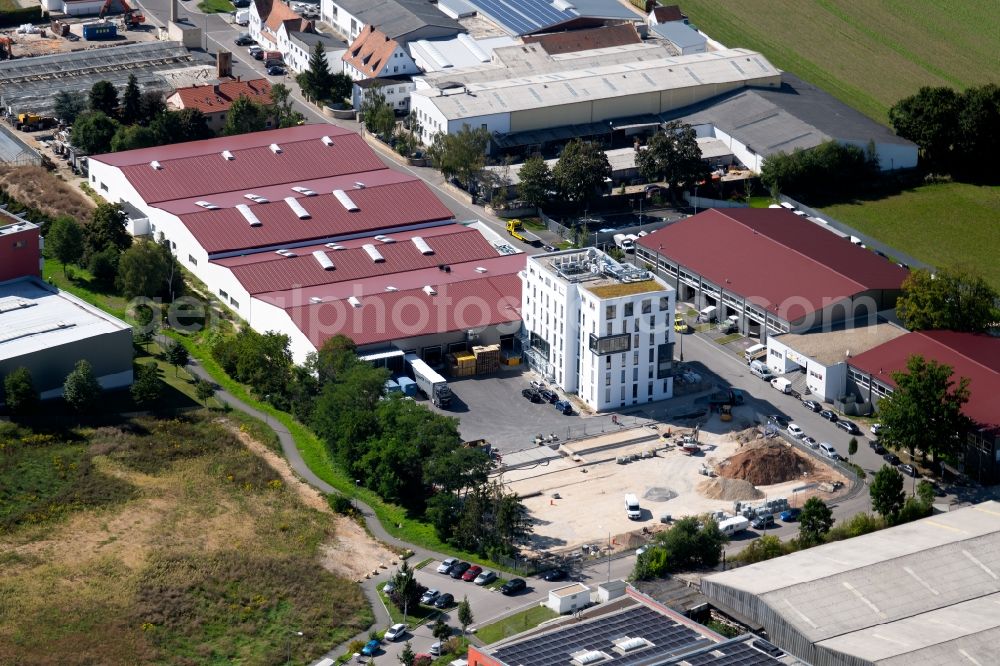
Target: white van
755, 352
707, 314
732, 526
632, 507
760, 369
828, 450
781, 384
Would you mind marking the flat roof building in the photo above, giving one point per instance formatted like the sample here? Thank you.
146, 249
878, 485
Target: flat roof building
926, 592
681, 36
525, 17
775, 271
597, 328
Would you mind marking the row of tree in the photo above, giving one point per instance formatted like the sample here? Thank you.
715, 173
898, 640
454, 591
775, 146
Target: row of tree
828, 171
692, 541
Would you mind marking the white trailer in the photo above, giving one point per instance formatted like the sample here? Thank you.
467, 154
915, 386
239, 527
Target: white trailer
733, 526
434, 386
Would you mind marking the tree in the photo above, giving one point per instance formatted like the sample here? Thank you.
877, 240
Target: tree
978, 119
341, 86
81, 389
64, 241
146, 386
691, 542
765, 548
19, 392
852, 447
131, 108
672, 156
925, 410
461, 155
581, 172
103, 266
929, 120
144, 270
281, 103
952, 299
406, 591
93, 131
377, 114
106, 230
69, 105
815, 521
131, 137
652, 563
886, 492
825, 172
176, 355
151, 105
203, 390
145, 328
104, 98
535, 181
406, 656
180, 126
317, 81
465, 614
245, 116
441, 630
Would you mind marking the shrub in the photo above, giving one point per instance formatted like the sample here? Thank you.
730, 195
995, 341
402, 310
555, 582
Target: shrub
340, 504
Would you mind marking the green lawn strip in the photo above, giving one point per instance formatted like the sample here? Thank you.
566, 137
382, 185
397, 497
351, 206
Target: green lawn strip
533, 223
726, 339
760, 202
514, 624
423, 563
414, 617
216, 6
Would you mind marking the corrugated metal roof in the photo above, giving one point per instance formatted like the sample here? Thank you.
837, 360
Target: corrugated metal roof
380, 208
970, 355
773, 258
680, 34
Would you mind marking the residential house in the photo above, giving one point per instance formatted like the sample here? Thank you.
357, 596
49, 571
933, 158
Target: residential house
267, 18
396, 90
215, 99
668, 14
301, 45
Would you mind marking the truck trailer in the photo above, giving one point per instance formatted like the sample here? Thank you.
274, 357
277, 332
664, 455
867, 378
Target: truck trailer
430, 382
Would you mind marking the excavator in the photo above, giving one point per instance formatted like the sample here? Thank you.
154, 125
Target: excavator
131, 18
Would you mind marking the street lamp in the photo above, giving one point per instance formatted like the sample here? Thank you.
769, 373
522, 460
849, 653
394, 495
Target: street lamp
288, 644
357, 489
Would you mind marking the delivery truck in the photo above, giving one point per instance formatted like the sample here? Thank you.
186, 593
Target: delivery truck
429, 381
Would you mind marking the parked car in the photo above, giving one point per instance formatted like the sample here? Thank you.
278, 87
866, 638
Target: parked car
471, 573
908, 470
275, 70
810, 442
876, 447
446, 565
459, 570
244, 40
445, 600
513, 586
680, 324
828, 415
875, 429
790, 515
553, 575
763, 522
812, 405
795, 431
429, 596
370, 648
849, 426
891, 458
257, 53
564, 406
531, 394
388, 587
435, 649
548, 396
395, 632
485, 578
779, 420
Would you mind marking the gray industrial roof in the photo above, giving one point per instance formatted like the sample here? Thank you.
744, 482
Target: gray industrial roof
830, 347
310, 39
35, 316
680, 34
927, 592
396, 18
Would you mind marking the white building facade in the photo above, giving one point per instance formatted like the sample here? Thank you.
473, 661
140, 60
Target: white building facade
600, 329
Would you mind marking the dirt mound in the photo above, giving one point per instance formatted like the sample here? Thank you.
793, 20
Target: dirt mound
764, 463
731, 490
747, 435
659, 494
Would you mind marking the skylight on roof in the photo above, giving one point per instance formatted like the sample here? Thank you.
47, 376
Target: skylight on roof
156, 165
228, 156
327, 141
429, 290
346, 201
323, 260
422, 245
297, 208
256, 198
373, 252
275, 148
208, 205
248, 215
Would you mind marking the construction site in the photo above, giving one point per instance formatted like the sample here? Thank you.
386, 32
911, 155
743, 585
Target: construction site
712, 467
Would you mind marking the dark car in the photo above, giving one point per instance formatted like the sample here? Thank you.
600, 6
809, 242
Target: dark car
553, 575
548, 396
812, 405
908, 470
531, 394
513, 586
564, 406
849, 426
828, 415
471, 573
275, 70
778, 419
244, 40
258, 55
891, 458
763, 522
445, 600
876, 447
459, 569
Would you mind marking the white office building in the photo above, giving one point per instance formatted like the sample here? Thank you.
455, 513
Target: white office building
599, 329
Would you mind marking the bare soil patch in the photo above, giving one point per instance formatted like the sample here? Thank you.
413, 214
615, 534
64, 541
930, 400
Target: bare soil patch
36, 187
731, 490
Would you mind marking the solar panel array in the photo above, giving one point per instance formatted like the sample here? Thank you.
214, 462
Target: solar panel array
667, 636
738, 654
523, 17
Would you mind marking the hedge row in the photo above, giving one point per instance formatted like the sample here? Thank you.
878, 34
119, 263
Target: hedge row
21, 16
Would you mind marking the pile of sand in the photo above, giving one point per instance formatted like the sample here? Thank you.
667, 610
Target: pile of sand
731, 490
747, 435
765, 463
659, 494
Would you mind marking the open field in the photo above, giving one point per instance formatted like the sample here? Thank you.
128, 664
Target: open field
167, 541
216, 6
514, 624
868, 54
942, 224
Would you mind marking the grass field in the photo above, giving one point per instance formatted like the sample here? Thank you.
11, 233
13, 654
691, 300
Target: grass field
514, 624
160, 541
942, 224
868, 54
216, 6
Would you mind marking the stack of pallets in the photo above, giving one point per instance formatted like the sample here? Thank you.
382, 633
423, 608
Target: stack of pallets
487, 359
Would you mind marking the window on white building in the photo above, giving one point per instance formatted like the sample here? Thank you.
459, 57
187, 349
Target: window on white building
192, 260
610, 311
664, 303
628, 309
647, 306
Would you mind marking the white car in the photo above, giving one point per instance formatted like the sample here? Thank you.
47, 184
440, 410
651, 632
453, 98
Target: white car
446, 565
395, 632
430, 596
810, 442
795, 431
876, 427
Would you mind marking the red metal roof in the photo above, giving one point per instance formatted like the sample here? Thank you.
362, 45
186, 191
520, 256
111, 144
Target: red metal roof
774, 258
399, 315
278, 273
216, 97
380, 209
197, 169
970, 355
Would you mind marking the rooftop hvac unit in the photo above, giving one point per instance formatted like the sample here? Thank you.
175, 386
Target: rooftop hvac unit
275, 148
373, 252
358, 185
323, 260
480, 269
429, 290
346, 201
315, 299
156, 165
304, 190
327, 141
334, 246
422, 245
353, 300
248, 215
391, 288
385, 239
297, 208
256, 198
207, 205
228, 156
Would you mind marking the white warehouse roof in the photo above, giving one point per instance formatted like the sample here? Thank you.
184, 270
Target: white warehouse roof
574, 85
